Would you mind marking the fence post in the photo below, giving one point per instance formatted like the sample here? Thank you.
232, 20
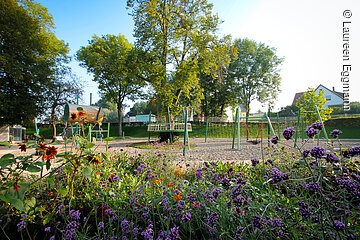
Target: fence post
238, 130
185, 132
206, 129
326, 136
233, 133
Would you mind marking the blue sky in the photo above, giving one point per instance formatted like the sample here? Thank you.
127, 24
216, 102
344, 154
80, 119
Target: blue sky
308, 34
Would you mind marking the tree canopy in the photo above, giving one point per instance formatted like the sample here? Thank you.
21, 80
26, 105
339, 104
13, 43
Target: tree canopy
307, 104
29, 55
254, 72
111, 60
180, 39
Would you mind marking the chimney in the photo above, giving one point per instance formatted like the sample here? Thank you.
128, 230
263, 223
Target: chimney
333, 89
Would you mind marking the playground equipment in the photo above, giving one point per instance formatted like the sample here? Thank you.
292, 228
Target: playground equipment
84, 115
173, 127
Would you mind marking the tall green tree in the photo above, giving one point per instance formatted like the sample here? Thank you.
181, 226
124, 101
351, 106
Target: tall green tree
307, 104
255, 73
65, 88
179, 37
29, 54
111, 60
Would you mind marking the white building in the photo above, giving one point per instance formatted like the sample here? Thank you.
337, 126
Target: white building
333, 97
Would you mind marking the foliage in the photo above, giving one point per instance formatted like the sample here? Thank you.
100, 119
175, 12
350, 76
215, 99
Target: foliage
288, 111
180, 42
65, 88
109, 109
111, 59
142, 107
255, 73
308, 103
29, 55
354, 109
295, 194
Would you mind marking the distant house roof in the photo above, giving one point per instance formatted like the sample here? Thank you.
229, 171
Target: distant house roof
242, 108
339, 94
297, 97
299, 94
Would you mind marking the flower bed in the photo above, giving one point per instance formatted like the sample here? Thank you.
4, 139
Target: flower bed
304, 194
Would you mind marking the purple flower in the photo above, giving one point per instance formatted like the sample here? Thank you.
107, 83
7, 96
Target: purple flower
225, 182
336, 133
74, 215
350, 185
355, 150
317, 126
148, 232
338, 225
101, 225
317, 152
310, 132
21, 225
274, 139
186, 217
276, 222
303, 210
174, 233
181, 204
312, 186
216, 192
198, 174
254, 161
47, 229
305, 153
258, 222
115, 178
126, 226
288, 133
211, 222
331, 157
278, 176
52, 237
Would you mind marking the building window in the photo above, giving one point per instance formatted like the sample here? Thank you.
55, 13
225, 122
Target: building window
328, 97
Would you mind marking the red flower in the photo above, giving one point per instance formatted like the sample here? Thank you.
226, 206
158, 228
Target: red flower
73, 116
81, 114
16, 186
170, 184
49, 153
178, 197
22, 147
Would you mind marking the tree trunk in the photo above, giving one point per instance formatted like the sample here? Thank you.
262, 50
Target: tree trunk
247, 117
120, 118
53, 124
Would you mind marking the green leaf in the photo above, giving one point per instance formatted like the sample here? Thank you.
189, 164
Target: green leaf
87, 171
6, 162
79, 109
47, 218
37, 135
8, 156
89, 145
33, 168
48, 165
30, 202
108, 139
18, 204
63, 191
40, 163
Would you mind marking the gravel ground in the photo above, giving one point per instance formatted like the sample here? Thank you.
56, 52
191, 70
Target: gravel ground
214, 149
